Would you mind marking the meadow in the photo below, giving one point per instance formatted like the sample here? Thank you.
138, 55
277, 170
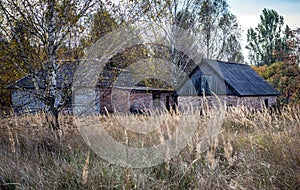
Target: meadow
251, 150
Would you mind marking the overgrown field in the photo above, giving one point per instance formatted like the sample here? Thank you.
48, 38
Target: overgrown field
251, 150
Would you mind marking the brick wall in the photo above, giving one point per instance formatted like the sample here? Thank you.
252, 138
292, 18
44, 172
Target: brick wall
123, 101
257, 102
197, 101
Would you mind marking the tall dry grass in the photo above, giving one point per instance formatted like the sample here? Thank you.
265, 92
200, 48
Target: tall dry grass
251, 150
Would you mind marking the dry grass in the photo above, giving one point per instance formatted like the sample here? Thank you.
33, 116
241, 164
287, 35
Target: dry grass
253, 150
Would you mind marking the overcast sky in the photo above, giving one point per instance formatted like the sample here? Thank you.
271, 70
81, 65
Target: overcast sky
248, 12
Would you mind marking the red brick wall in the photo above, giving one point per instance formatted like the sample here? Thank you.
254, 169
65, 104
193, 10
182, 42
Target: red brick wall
121, 100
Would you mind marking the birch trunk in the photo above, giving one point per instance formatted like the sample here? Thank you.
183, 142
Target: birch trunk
52, 68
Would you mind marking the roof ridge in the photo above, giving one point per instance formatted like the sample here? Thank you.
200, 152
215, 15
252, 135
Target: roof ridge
226, 62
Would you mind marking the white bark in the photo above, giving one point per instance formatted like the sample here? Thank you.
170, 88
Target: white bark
52, 65
47, 24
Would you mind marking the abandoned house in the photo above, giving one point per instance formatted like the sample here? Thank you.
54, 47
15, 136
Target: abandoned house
233, 83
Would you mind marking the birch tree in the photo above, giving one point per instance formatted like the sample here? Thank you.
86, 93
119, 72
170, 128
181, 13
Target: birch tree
219, 31
49, 25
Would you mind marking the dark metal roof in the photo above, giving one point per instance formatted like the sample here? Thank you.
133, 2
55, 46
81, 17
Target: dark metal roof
242, 78
109, 77
64, 78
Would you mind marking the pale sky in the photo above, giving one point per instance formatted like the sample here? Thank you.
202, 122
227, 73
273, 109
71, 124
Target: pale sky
248, 12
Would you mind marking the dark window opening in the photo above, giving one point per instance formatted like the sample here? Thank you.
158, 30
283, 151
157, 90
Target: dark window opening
175, 101
267, 103
203, 85
168, 103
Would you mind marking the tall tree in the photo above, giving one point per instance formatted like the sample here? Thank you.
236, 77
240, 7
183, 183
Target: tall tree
266, 39
214, 27
218, 41
48, 25
219, 31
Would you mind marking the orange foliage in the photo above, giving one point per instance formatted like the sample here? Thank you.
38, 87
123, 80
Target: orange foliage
285, 78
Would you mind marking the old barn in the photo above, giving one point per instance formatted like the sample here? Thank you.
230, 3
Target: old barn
235, 84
